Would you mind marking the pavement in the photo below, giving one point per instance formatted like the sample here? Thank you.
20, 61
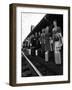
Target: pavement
45, 68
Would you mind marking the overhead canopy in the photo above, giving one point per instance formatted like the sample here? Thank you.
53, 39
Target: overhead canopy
47, 20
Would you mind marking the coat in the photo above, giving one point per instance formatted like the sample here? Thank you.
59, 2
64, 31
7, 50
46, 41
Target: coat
47, 42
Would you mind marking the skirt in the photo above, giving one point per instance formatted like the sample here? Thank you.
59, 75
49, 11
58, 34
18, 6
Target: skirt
57, 53
57, 57
46, 56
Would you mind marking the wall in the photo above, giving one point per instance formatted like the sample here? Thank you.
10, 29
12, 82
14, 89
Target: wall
4, 45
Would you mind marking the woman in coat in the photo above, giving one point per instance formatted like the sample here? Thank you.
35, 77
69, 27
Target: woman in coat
57, 42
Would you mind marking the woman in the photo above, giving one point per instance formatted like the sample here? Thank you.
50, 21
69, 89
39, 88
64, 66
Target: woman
47, 44
57, 42
43, 40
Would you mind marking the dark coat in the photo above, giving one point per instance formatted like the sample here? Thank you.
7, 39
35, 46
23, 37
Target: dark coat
42, 39
47, 42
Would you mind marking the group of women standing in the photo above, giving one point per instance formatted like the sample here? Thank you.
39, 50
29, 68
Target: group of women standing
46, 43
